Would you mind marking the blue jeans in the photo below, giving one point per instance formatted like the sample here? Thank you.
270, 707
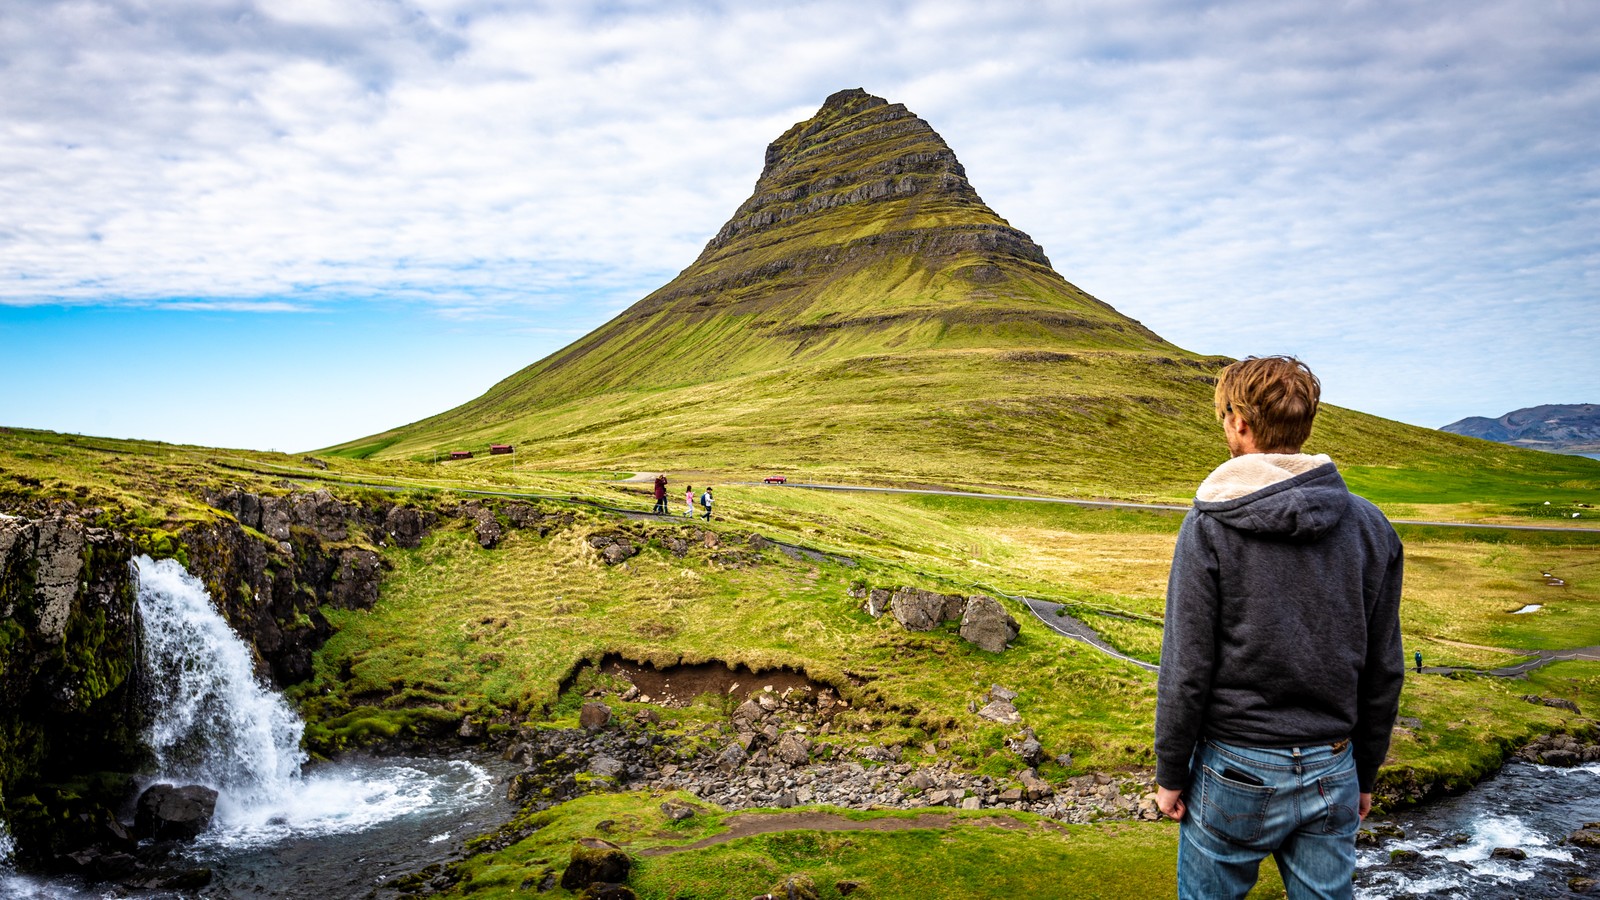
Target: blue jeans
1304, 812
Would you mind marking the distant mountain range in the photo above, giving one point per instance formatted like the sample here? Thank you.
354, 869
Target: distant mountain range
1556, 427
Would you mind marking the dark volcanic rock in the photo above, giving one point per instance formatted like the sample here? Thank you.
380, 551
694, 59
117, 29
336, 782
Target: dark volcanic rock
166, 812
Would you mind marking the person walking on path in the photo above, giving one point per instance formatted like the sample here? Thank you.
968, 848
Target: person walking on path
1419, 661
688, 499
705, 501
1281, 661
661, 495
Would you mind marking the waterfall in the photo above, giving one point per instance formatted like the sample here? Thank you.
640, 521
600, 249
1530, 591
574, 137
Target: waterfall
332, 831
212, 722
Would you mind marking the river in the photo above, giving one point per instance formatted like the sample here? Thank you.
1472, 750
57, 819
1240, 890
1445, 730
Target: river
1527, 807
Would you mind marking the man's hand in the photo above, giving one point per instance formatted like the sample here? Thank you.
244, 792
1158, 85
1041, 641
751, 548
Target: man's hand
1171, 802
1366, 805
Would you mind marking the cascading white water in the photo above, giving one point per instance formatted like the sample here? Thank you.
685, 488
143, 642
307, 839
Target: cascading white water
213, 723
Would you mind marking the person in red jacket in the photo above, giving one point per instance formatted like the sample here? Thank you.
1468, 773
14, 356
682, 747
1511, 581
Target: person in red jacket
661, 495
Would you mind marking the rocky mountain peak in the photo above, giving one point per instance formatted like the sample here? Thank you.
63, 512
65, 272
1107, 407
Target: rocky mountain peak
857, 149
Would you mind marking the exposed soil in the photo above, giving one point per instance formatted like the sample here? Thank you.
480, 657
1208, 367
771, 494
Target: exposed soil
749, 824
677, 685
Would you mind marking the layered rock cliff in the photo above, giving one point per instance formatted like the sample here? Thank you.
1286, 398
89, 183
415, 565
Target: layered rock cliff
68, 646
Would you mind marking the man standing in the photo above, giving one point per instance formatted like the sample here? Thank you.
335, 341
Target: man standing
1281, 662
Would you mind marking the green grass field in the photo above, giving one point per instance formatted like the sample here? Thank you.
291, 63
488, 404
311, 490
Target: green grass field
463, 631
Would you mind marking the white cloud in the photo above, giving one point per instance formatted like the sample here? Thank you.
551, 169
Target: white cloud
1403, 188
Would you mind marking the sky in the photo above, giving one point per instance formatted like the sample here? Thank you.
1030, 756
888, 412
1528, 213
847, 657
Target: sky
282, 225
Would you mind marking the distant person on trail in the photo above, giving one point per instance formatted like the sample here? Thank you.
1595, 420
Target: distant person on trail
1419, 662
1281, 660
688, 500
661, 495
705, 501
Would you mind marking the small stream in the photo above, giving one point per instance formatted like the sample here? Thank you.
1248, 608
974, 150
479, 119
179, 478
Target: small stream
1528, 807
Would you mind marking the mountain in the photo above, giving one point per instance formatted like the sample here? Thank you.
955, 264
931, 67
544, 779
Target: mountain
864, 315
1559, 428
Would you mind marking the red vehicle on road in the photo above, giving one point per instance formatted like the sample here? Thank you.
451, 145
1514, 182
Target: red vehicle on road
775, 479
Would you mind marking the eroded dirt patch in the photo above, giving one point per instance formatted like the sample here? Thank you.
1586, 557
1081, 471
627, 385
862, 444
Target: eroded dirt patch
677, 685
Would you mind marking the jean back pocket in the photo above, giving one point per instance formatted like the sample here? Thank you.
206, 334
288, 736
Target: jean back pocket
1233, 810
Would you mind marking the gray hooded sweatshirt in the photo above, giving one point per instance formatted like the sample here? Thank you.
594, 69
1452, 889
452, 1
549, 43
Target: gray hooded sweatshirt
1283, 617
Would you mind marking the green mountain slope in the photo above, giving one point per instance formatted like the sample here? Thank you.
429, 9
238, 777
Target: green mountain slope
865, 315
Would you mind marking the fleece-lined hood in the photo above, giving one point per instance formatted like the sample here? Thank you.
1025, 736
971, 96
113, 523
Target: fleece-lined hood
1295, 496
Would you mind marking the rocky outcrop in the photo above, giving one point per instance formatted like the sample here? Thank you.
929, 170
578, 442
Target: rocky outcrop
1563, 750
984, 622
67, 672
270, 590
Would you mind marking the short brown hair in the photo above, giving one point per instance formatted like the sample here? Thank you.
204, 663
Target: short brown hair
1277, 395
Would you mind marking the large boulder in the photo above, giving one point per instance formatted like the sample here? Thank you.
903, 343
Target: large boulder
168, 812
596, 861
986, 623
918, 610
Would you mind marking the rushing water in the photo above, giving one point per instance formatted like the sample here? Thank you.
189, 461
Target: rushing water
1526, 807
334, 830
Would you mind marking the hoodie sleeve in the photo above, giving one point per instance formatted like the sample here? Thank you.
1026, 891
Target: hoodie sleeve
1382, 675
1188, 652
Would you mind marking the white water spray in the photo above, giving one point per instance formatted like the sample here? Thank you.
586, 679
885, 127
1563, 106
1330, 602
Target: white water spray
213, 723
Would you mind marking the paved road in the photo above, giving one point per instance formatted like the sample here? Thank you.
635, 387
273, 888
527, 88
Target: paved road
1119, 504
1540, 658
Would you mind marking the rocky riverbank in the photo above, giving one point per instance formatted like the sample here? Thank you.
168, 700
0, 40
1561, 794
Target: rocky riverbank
776, 750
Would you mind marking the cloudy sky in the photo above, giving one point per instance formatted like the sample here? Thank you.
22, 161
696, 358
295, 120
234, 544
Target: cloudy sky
287, 223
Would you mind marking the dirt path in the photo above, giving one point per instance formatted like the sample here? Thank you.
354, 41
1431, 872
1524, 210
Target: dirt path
747, 824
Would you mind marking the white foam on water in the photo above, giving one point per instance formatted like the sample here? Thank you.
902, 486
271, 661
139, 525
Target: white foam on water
1387, 884
1489, 832
340, 800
